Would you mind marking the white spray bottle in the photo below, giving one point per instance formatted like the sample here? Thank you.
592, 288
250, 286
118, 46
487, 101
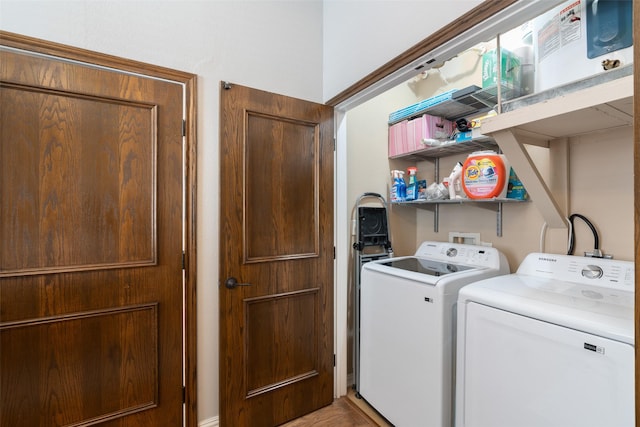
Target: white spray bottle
455, 181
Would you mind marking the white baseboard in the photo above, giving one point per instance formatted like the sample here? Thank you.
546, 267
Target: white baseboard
211, 422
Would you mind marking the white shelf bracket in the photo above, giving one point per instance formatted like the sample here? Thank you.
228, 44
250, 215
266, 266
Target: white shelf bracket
527, 172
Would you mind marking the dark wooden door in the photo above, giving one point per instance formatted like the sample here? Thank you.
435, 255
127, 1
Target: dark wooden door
91, 300
276, 242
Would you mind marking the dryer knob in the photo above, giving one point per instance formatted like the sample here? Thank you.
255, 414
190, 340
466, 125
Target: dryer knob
592, 272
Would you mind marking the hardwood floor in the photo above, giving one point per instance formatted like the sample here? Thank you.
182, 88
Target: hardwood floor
347, 411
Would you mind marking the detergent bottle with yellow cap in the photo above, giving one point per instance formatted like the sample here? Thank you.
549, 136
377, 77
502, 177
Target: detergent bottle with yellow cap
485, 175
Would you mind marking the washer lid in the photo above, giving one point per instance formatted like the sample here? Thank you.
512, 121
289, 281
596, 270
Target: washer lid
424, 270
601, 311
424, 266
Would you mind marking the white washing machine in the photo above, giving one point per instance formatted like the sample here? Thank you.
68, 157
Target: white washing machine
407, 329
551, 345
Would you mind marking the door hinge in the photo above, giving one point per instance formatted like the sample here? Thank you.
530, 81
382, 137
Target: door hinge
183, 260
334, 360
184, 128
184, 395
334, 144
334, 252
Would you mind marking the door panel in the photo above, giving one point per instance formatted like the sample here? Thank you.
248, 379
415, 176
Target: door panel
102, 153
281, 208
91, 290
276, 237
110, 355
292, 318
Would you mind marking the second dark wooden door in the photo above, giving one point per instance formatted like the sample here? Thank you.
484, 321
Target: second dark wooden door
276, 243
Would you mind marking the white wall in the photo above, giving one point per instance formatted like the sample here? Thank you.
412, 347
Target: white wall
367, 154
362, 35
271, 45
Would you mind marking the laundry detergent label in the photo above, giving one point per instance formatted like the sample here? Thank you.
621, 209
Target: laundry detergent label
482, 178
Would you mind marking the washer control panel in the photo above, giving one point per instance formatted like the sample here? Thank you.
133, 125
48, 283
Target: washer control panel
469, 255
609, 273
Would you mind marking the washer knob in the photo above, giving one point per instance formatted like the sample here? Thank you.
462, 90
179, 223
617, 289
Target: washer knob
592, 272
452, 252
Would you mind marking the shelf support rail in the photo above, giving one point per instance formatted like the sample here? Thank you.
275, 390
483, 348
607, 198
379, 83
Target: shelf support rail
499, 220
436, 212
530, 176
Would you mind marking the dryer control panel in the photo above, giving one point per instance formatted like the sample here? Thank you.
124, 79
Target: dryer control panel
608, 273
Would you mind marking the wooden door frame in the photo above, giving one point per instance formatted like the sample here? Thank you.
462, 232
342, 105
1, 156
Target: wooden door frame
189, 81
636, 190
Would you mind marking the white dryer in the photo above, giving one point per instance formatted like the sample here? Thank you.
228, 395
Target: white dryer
551, 345
407, 329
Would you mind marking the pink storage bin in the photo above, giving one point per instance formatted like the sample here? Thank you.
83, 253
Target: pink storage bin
398, 138
427, 127
416, 128
438, 128
407, 136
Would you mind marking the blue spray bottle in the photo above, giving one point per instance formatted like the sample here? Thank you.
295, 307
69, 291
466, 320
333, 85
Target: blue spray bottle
399, 188
412, 188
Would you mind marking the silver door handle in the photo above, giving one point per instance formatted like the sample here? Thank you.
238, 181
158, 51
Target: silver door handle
232, 283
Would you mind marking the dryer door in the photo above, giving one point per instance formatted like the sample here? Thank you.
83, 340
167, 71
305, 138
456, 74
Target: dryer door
518, 371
